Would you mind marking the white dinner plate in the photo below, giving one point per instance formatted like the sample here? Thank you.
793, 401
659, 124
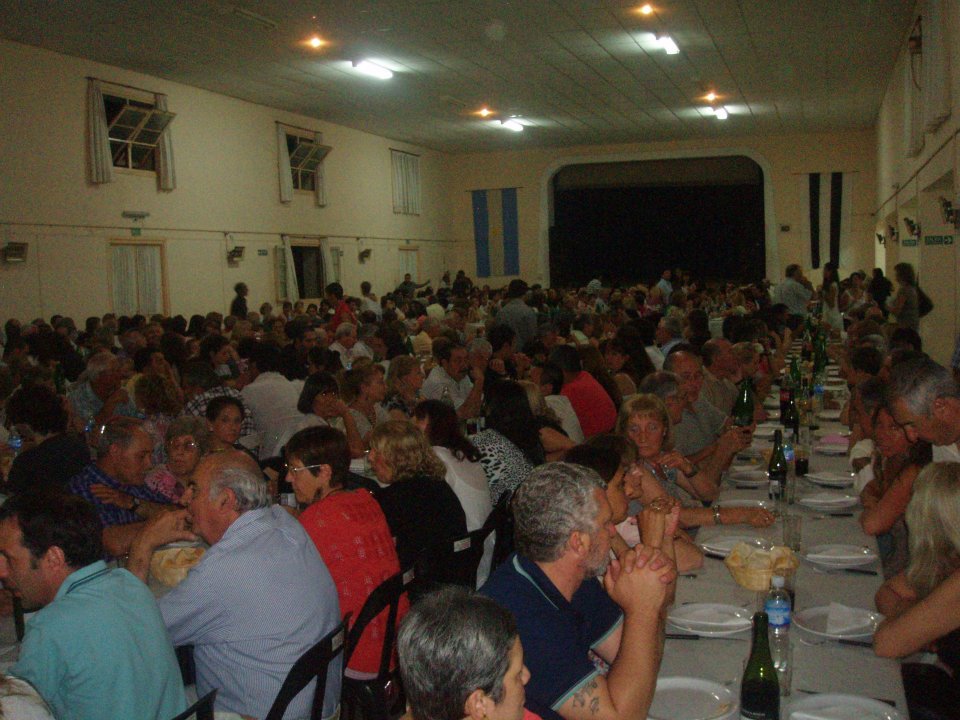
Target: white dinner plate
829, 415
832, 450
750, 478
686, 698
831, 706
766, 430
774, 412
823, 432
829, 501
771, 403
830, 479
712, 619
838, 556
723, 545
745, 502
862, 624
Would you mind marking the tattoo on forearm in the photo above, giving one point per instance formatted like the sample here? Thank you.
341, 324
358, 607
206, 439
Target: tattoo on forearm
585, 696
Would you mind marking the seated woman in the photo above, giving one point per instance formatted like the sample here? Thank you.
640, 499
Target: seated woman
421, 509
922, 605
552, 436
364, 389
156, 398
896, 464
224, 418
510, 445
465, 475
349, 530
644, 421
54, 455
614, 460
321, 405
404, 380
461, 659
187, 440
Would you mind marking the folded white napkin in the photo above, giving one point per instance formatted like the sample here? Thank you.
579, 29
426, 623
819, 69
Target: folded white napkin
830, 712
841, 619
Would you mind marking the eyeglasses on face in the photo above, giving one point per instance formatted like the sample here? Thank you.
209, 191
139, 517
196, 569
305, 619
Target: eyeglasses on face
294, 470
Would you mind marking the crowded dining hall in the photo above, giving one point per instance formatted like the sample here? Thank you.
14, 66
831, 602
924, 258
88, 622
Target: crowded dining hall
553, 360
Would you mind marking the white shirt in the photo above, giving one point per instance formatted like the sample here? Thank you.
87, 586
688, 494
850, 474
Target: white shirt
656, 357
439, 379
367, 303
469, 483
560, 404
946, 453
272, 400
348, 356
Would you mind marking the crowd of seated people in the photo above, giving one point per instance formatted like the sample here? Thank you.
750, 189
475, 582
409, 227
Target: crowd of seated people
402, 423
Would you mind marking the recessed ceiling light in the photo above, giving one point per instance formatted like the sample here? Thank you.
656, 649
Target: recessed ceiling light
711, 96
368, 67
646, 9
720, 113
512, 125
668, 45
315, 42
485, 112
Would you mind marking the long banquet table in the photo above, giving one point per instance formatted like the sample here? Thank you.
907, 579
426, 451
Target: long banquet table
827, 667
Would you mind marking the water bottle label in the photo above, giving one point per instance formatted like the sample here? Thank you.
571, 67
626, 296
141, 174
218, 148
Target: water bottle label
778, 612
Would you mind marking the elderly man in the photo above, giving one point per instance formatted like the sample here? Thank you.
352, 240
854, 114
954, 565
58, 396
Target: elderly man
669, 333
795, 292
565, 615
99, 396
98, 649
721, 373
702, 425
260, 597
293, 357
451, 379
926, 403
345, 344
114, 483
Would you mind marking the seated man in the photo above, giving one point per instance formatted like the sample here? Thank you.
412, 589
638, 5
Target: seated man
98, 647
721, 373
926, 404
454, 373
100, 396
594, 408
563, 531
114, 483
260, 597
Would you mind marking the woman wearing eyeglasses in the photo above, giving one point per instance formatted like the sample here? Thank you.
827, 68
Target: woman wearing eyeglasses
187, 440
349, 529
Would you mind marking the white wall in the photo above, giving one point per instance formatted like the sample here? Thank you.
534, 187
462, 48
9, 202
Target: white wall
911, 187
226, 164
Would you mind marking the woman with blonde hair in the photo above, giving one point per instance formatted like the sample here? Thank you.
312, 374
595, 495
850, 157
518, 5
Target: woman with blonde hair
421, 509
922, 605
404, 380
645, 421
555, 442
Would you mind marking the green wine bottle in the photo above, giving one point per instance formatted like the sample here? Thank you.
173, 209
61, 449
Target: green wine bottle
760, 689
777, 469
744, 406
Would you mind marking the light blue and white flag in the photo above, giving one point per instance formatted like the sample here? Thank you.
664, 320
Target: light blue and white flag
495, 232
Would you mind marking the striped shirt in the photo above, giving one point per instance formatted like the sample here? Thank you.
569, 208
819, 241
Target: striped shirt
198, 406
258, 600
109, 513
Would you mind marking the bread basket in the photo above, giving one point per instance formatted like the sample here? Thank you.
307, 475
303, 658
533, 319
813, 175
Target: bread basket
752, 567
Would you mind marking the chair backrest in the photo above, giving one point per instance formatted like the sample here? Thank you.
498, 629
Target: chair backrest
386, 596
501, 518
452, 561
311, 665
202, 709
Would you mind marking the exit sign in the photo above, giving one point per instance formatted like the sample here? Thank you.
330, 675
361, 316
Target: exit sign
263, 252
909, 241
938, 239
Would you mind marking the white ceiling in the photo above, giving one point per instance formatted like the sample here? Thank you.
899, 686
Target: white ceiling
578, 71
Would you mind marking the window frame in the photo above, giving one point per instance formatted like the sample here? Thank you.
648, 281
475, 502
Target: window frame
298, 171
133, 140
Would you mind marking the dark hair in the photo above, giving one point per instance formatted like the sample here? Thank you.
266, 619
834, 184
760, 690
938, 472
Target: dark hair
866, 359
39, 407
566, 358
335, 289
443, 349
906, 338
508, 412
211, 345
443, 429
604, 461
500, 335
142, 357
324, 358
322, 446
266, 357
320, 383
199, 374
552, 374
238, 287
218, 404
57, 520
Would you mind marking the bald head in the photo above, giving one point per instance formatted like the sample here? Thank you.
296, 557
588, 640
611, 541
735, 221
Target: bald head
236, 471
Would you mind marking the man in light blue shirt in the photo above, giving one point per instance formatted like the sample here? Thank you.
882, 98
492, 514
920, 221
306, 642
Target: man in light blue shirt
258, 600
97, 649
795, 292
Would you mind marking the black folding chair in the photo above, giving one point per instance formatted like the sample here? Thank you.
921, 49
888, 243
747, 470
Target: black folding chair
375, 699
202, 709
312, 665
501, 517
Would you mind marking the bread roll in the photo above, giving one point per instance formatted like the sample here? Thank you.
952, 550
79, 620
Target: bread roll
170, 566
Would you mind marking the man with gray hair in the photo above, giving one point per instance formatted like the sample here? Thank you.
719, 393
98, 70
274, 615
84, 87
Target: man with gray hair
926, 404
565, 615
344, 343
260, 597
669, 333
114, 483
98, 394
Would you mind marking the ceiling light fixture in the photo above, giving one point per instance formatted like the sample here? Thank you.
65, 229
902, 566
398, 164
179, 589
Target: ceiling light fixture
646, 9
669, 46
485, 112
720, 113
711, 96
512, 125
315, 42
368, 67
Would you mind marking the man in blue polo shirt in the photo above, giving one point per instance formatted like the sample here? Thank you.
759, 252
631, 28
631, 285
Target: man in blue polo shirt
593, 651
97, 649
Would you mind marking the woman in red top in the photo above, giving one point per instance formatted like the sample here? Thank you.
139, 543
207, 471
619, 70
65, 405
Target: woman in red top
348, 528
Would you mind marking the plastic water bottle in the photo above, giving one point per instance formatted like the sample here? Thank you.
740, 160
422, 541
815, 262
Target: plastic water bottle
777, 607
14, 442
446, 397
